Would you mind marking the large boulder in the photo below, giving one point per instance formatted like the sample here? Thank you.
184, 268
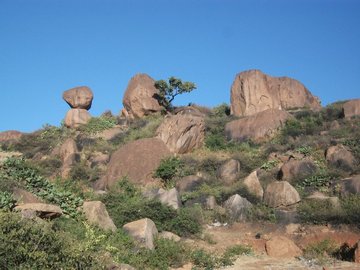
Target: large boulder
295, 169
253, 91
229, 171
141, 97
10, 135
252, 184
282, 247
95, 212
41, 210
76, 117
340, 157
136, 160
351, 108
182, 133
237, 207
143, 231
280, 193
79, 97
258, 127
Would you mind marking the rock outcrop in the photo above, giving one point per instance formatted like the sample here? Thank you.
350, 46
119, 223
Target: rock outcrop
258, 127
143, 231
79, 97
136, 160
340, 157
253, 91
351, 108
282, 247
10, 135
96, 213
141, 97
281, 193
182, 133
229, 171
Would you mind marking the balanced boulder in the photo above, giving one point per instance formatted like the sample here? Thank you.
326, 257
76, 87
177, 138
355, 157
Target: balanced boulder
76, 117
79, 97
253, 91
182, 133
258, 127
280, 193
351, 108
141, 97
143, 231
136, 160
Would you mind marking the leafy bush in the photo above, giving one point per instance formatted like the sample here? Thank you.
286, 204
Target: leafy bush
318, 212
168, 169
320, 251
221, 110
7, 202
98, 124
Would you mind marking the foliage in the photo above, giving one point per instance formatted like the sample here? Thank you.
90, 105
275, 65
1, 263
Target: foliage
20, 171
221, 110
318, 212
261, 212
232, 252
98, 124
270, 164
320, 251
26, 244
168, 91
168, 169
7, 202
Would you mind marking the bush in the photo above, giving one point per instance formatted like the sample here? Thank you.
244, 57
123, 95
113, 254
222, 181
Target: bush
98, 124
221, 110
168, 169
318, 212
7, 202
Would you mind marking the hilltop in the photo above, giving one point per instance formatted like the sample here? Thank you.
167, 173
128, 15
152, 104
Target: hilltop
270, 180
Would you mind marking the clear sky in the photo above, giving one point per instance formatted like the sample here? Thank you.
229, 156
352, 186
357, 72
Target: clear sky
49, 46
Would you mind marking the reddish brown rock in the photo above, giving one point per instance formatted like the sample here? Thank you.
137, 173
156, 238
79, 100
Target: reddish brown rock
253, 91
295, 169
340, 157
261, 126
282, 247
140, 97
76, 117
10, 135
79, 97
182, 133
351, 108
137, 160
280, 193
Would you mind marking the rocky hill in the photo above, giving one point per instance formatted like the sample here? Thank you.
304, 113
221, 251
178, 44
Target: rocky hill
271, 180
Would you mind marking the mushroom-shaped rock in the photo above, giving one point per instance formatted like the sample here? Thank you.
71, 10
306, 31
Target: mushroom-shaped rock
252, 183
258, 127
340, 157
182, 133
281, 193
253, 91
295, 169
137, 160
141, 97
41, 210
143, 231
95, 212
237, 207
76, 117
351, 108
79, 97
229, 171
282, 247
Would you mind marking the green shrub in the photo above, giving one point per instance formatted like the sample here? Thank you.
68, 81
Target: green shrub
168, 169
351, 209
232, 252
221, 110
320, 251
319, 212
98, 124
7, 202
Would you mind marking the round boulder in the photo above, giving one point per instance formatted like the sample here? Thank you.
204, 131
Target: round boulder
79, 97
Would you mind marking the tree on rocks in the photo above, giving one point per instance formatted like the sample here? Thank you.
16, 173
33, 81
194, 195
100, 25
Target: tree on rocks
169, 90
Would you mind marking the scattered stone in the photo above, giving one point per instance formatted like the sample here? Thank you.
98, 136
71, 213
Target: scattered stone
295, 169
141, 97
169, 236
170, 198
210, 203
76, 117
182, 133
252, 183
281, 193
189, 183
253, 91
143, 231
351, 108
42, 210
95, 212
10, 135
350, 185
340, 157
229, 171
79, 97
237, 207
137, 160
282, 247
22, 196
258, 127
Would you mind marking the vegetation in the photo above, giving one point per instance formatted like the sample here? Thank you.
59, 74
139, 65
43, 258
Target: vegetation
168, 169
169, 90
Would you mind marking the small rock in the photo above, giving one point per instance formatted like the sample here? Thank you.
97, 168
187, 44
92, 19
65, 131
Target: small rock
281, 193
189, 183
238, 207
282, 247
42, 210
143, 231
95, 212
340, 157
229, 171
252, 183
169, 236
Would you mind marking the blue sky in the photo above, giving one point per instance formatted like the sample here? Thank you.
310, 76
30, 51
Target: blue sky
49, 46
